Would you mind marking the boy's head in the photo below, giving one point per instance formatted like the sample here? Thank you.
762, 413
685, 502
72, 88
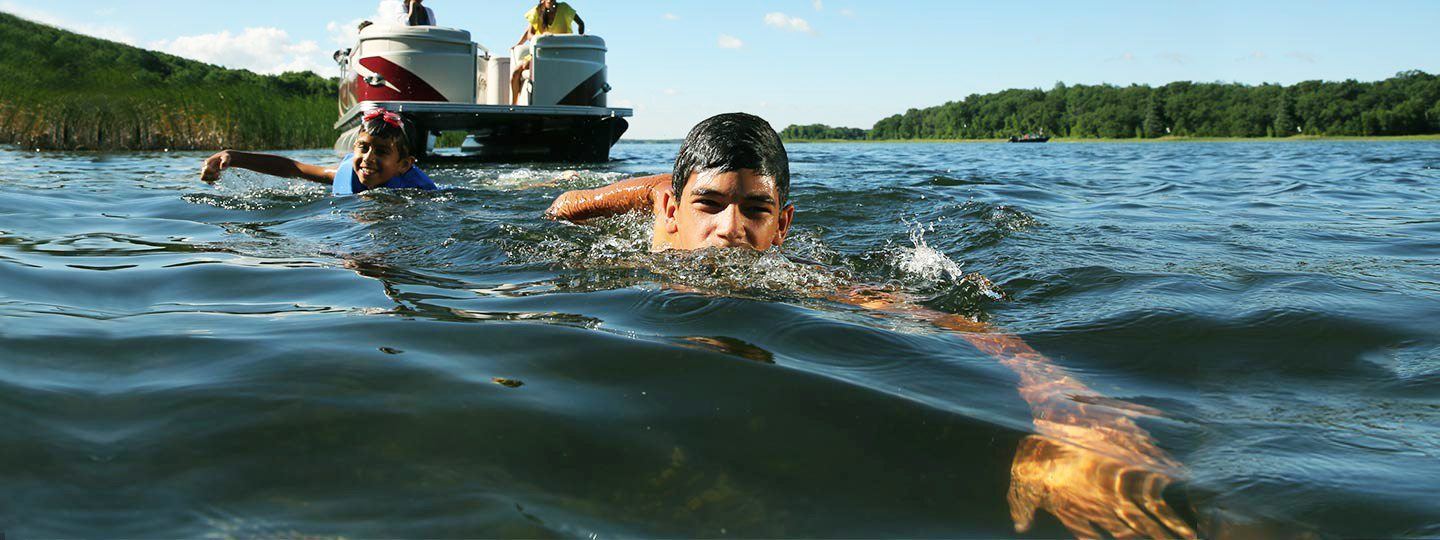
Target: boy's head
731, 185
382, 151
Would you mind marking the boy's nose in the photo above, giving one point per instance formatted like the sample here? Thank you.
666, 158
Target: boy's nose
730, 229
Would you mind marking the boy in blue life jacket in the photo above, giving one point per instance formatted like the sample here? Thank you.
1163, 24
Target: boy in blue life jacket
381, 158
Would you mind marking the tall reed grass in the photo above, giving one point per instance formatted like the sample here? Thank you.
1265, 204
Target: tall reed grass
75, 92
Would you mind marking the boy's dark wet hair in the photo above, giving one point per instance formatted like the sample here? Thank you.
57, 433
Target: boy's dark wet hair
383, 124
730, 142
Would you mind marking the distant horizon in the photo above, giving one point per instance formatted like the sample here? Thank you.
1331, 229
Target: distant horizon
832, 62
962, 98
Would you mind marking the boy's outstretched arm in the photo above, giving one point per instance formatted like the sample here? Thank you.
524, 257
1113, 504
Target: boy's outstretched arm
618, 198
1089, 462
264, 164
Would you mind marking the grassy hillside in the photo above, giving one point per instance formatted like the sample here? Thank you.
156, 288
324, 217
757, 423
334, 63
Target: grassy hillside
63, 90
1406, 104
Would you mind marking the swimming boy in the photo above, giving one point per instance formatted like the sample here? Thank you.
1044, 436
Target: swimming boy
734, 193
1089, 463
381, 158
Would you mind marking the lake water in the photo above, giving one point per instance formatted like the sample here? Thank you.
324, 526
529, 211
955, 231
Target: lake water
257, 359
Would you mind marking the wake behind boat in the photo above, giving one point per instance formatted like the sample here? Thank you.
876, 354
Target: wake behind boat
442, 81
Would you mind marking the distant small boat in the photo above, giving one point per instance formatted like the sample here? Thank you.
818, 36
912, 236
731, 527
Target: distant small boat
1031, 137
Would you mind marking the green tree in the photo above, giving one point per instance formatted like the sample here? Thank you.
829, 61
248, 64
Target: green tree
1285, 123
1155, 122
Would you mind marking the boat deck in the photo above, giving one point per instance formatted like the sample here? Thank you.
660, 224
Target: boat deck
447, 116
504, 132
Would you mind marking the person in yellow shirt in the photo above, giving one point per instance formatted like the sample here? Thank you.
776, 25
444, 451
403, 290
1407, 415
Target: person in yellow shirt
547, 17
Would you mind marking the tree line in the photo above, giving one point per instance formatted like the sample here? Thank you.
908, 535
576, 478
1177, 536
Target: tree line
63, 90
1406, 104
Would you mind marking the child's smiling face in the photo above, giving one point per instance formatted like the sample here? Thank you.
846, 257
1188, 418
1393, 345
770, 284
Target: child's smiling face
377, 160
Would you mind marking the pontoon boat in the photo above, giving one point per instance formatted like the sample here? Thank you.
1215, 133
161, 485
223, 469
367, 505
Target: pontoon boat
440, 81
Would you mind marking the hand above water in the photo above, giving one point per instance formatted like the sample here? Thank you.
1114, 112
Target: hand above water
214, 164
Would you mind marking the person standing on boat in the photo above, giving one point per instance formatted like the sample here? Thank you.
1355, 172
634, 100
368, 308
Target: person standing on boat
546, 18
416, 14
407, 13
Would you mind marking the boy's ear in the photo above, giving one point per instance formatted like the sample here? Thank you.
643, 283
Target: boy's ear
785, 218
672, 205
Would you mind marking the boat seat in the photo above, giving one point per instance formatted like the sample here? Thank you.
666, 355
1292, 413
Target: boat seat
562, 64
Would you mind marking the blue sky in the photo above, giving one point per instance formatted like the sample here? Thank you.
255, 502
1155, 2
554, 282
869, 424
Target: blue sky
840, 62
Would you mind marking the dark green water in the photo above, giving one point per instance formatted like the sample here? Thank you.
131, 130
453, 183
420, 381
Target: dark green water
257, 359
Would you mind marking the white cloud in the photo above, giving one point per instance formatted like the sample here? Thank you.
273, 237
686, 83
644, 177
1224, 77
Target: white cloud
102, 31
670, 17
847, 12
1175, 58
1301, 57
344, 34
730, 42
262, 50
671, 91
1125, 57
786, 22
819, 5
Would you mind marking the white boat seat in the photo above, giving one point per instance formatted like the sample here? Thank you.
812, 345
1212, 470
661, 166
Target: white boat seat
568, 69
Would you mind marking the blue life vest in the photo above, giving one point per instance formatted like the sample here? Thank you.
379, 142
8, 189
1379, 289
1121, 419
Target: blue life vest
348, 183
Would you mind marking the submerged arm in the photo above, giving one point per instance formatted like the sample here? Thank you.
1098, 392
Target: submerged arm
618, 198
1089, 463
264, 164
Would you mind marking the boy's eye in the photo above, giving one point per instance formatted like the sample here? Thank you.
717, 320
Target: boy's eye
757, 210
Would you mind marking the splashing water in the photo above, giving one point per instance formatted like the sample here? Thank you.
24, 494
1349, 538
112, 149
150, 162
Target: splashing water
926, 264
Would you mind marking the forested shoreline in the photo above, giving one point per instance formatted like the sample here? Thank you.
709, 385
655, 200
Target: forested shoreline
67, 91
64, 90
1406, 104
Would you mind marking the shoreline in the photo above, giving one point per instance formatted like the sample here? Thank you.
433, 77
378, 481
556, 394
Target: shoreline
1297, 139
1074, 140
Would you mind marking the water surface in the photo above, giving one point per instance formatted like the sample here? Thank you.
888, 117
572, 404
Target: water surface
257, 359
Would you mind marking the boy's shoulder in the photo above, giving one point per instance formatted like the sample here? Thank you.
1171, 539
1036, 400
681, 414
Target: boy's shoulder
348, 183
415, 178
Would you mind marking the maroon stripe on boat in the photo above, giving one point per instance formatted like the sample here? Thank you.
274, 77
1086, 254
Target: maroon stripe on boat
412, 87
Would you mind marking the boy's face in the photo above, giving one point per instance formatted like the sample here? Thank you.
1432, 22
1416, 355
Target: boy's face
727, 209
377, 160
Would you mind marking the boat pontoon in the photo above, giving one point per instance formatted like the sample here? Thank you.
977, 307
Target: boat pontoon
440, 81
